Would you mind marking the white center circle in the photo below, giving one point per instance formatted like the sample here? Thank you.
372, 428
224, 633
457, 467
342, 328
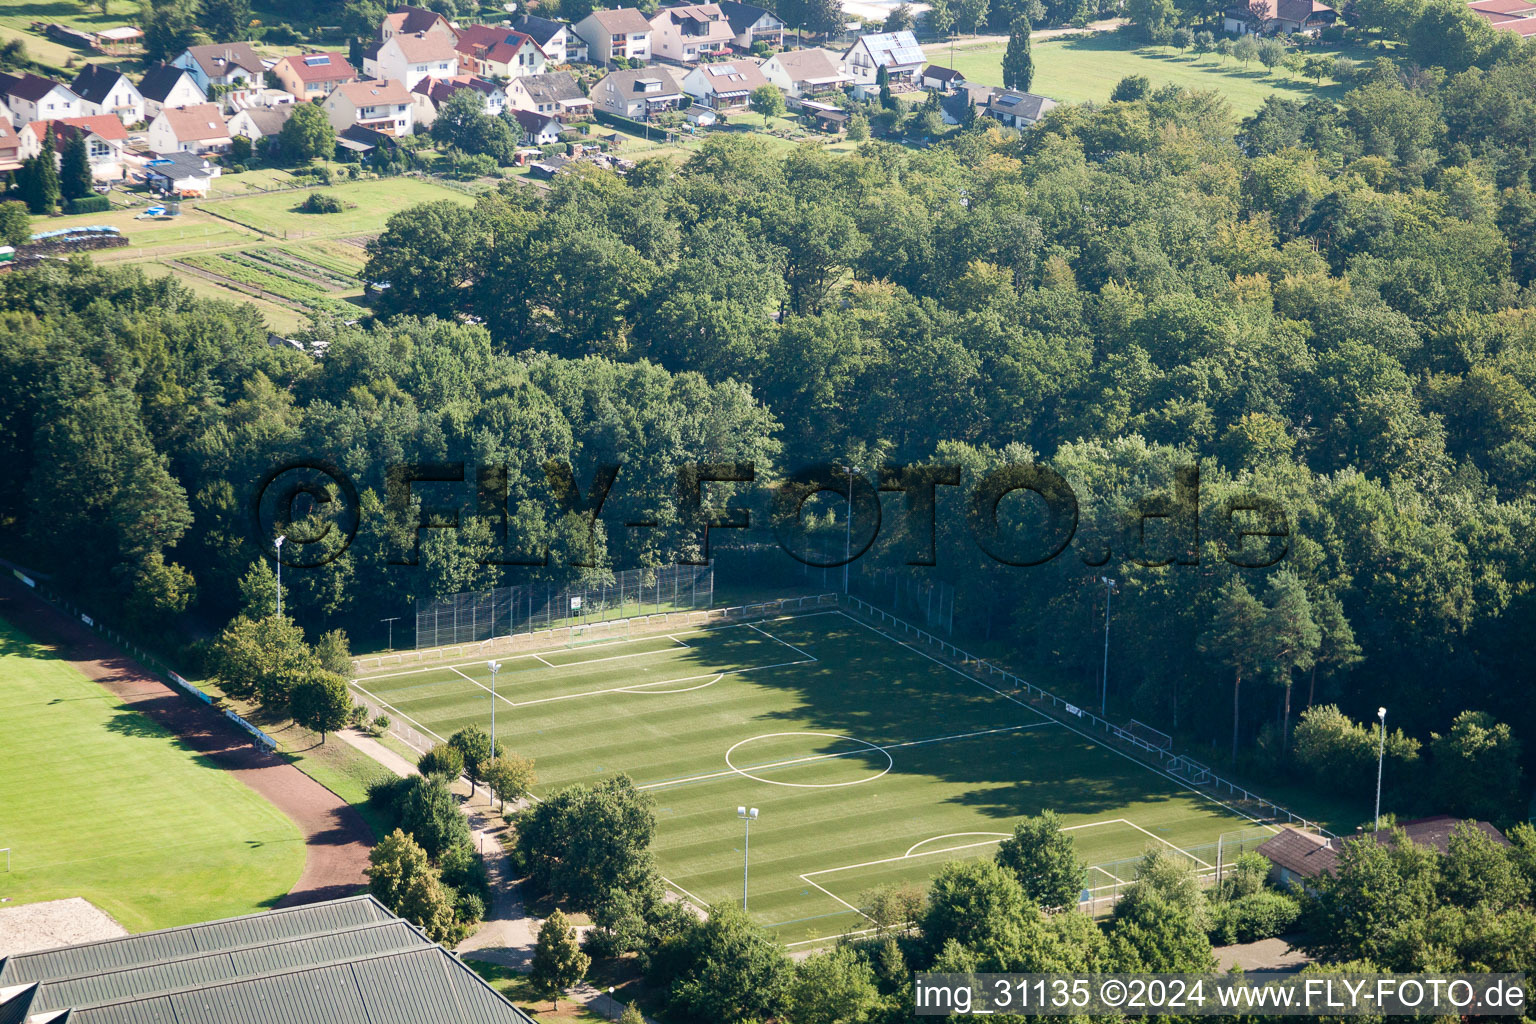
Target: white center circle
809, 759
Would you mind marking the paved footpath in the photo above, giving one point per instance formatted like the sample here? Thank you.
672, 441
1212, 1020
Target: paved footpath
508, 934
335, 835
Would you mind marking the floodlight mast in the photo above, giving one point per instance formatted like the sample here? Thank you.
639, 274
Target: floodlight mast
279, 544
1109, 587
1381, 755
747, 815
494, 666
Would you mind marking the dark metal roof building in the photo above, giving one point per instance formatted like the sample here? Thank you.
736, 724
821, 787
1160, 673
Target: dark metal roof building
342, 962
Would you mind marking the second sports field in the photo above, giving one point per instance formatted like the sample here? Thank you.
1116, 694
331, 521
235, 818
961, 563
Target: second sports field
870, 762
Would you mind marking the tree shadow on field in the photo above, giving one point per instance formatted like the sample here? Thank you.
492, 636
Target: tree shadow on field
935, 722
14, 644
132, 721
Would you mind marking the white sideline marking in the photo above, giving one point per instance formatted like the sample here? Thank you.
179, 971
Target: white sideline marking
1087, 736
542, 661
807, 880
1101, 871
402, 714
691, 897
601, 643
1166, 843
626, 688
885, 748
770, 636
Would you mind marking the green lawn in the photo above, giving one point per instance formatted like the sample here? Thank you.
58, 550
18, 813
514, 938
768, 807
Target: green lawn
1086, 68
370, 204
870, 762
99, 801
261, 239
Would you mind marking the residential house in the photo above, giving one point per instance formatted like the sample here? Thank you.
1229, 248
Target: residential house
1279, 17
34, 98
952, 105
257, 123
941, 79
430, 93
1517, 16
313, 76
230, 65
538, 129
558, 39
10, 147
725, 86
554, 93
1297, 857
897, 52
383, 106
169, 86
751, 25
804, 74
104, 90
364, 141
105, 139
410, 58
198, 129
690, 32
639, 93
1017, 109
499, 53
414, 21
621, 32
181, 174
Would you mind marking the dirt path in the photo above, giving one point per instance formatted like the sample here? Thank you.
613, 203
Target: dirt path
336, 838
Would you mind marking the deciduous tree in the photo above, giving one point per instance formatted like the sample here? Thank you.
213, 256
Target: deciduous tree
558, 962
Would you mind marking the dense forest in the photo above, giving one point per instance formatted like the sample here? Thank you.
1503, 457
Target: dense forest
1325, 305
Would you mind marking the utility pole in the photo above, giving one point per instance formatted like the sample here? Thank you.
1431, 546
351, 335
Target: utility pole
392, 620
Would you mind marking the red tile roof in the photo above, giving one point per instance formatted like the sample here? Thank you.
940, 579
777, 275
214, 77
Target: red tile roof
498, 45
371, 94
105, 125
312, 68
196, 123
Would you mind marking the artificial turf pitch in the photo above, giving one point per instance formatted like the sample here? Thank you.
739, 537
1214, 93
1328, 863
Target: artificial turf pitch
870, 761
99, 801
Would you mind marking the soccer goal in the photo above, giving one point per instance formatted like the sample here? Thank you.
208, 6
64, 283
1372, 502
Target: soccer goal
1148, 735
1190, 770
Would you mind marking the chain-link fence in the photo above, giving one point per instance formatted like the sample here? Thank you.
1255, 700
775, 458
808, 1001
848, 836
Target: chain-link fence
1210, 861
470, 617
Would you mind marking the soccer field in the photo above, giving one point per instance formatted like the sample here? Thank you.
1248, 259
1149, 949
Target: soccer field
870, 761
97, 800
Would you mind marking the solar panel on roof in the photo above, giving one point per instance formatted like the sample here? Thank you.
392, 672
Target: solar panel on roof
317, 62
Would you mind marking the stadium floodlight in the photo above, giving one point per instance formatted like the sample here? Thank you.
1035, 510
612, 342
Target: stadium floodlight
279, 543
1109, 587
848, 531
494, 666
1381, 754
748, 815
